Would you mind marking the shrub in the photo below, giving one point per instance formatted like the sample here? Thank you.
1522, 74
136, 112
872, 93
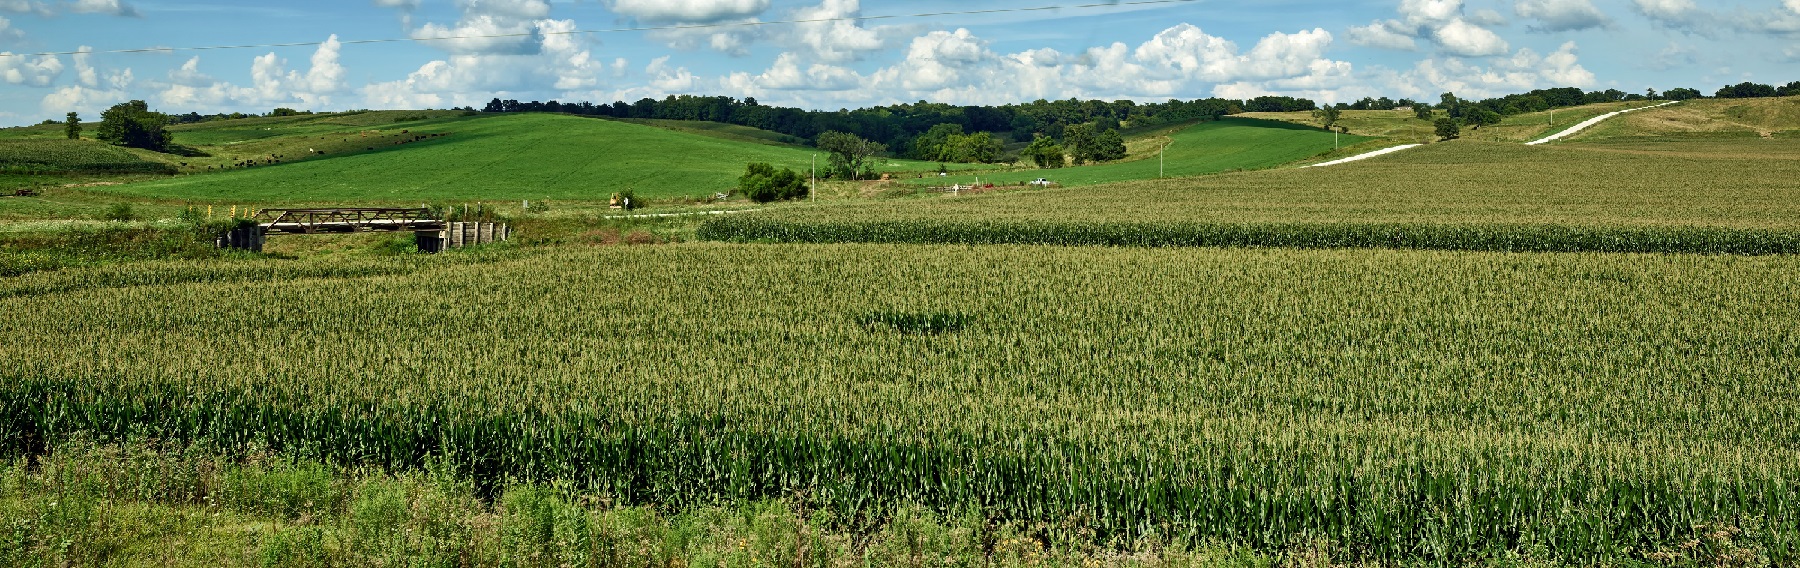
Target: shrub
762, 183
629, 200
120, 212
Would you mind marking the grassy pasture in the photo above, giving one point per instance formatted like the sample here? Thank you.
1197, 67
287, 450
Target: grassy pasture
497, 158
1406, 406
723, 131
501, 158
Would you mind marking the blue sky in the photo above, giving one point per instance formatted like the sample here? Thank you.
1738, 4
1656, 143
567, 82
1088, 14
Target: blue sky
573, 50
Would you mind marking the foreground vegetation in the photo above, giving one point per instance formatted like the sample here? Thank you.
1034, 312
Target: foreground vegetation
145, 504
1399, 406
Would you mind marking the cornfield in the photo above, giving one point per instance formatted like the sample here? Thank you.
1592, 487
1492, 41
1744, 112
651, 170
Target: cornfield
1501, 238
72, 156
1412, 406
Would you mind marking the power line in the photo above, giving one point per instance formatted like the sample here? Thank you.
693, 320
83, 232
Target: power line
615, 30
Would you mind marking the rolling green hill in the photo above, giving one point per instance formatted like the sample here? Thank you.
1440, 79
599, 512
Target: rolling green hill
525, 156
543, 156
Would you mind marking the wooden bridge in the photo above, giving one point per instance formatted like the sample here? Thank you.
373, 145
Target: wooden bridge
347, 220
431, 234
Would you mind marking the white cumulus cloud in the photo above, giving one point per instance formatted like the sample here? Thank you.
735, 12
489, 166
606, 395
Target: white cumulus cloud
470, 77
1666, 9
960, 67
688, 11
1440, 21
88, 101
482, 33
41, 71
112, 7
1561, 15
1522, 71
271, 83
7, 31
1469, 40
1423, 12
25, 7
1388, 34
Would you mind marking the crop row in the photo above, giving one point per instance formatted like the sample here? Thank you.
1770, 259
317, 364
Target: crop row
69, 156
1401, 405
1503, 238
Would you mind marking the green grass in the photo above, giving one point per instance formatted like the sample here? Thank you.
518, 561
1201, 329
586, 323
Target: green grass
143, 504
1205, 148
722, 131
1443, 408
498, 158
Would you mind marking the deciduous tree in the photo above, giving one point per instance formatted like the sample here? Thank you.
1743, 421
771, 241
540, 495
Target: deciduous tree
1327, 116
133, 124
1045, 152
1480, 116
1449, 128
849, 153
72, 126
1078, 140
1109, 146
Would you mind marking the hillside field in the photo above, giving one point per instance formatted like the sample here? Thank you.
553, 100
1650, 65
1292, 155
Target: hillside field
1401, 124
512, 157
1741, 184
1766, 118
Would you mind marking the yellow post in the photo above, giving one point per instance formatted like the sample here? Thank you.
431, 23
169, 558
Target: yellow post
209, 212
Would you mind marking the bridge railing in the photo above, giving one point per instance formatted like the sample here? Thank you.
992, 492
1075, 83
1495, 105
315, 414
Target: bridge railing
348, 220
